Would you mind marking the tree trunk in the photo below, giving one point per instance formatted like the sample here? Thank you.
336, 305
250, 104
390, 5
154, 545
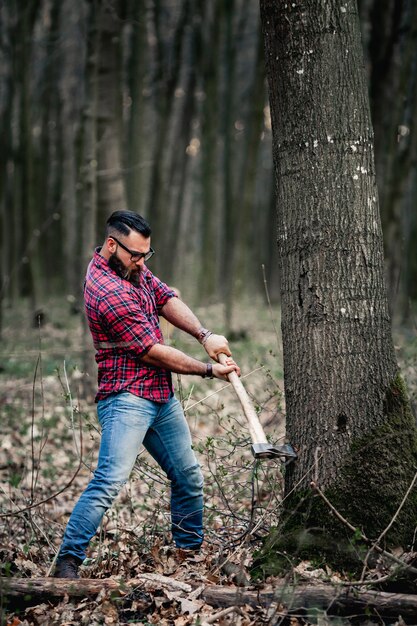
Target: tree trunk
6, 160
227, 157
209, 135
176, 245
27, 216
88, 178
393, 57
347, 410
137, 150
72, 58
166, 77
246, 226
110, 178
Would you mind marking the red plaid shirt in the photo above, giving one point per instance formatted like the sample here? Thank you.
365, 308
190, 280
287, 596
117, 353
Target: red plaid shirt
124, 323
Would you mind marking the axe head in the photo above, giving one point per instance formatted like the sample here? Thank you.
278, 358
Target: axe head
266, 451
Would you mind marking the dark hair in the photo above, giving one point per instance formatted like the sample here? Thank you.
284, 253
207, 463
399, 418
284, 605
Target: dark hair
125, 221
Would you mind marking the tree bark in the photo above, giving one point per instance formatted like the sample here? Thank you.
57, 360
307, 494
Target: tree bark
347, 410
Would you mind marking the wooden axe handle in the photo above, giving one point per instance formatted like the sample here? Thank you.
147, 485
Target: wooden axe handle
255, 428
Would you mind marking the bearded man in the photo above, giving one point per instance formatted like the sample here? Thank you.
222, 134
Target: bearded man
135, 399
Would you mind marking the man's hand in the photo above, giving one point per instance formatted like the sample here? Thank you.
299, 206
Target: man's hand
215, 344
222, 371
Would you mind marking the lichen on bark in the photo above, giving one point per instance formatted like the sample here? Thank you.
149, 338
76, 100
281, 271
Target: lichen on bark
377, 469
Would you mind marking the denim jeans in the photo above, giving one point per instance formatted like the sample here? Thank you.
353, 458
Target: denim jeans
126, 422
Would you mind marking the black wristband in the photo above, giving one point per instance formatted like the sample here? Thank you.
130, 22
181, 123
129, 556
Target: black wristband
209, 371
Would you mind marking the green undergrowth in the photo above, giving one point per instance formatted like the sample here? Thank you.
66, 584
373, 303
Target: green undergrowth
376, 474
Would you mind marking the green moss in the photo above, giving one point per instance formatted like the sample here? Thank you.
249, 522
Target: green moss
376, 473
309, 531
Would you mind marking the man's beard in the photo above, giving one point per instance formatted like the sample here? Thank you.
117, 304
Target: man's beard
133, 276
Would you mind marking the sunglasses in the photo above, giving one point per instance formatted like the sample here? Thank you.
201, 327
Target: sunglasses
135, 256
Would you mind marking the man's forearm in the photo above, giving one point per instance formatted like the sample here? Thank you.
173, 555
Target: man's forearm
180, 363
174, 360
180, 315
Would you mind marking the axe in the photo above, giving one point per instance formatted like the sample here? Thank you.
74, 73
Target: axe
261, 448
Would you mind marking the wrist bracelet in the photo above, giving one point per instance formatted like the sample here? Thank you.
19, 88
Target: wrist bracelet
209, 371
203, 334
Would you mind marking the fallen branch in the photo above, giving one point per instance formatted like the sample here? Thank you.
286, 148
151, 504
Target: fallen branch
214, 618
51, 588
334, 599
339, 601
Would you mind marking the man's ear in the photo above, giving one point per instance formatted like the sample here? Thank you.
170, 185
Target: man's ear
111, 245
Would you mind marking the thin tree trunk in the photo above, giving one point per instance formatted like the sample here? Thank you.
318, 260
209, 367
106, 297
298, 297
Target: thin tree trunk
393, 58
209, 137
226, 131
88, 175
166, 79
136, 141
6, 161
72, 62
110, 182
246, 225
28, 224
180, 156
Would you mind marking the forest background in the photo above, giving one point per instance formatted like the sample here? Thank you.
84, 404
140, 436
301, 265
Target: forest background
161, 107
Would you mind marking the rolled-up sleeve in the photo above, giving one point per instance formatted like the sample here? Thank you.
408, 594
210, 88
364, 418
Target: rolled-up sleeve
161, 291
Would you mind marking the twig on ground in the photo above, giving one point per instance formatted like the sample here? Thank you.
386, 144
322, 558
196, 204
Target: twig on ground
364, 583
71, 406
166, 581
32, 431
213, 618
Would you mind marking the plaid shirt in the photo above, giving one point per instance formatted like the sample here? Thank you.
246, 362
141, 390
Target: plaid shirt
124, 323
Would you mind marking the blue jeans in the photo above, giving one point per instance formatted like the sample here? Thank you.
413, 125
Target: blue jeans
126, 422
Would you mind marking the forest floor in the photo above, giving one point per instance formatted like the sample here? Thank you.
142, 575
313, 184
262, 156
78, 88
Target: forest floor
48, 448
